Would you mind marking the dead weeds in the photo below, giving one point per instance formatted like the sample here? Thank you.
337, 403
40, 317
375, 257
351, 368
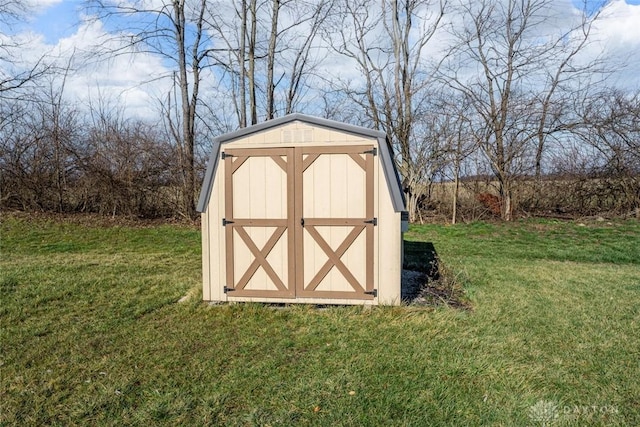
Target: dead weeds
421, 289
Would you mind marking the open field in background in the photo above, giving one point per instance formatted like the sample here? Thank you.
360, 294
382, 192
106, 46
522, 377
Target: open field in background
567, 198
92, 333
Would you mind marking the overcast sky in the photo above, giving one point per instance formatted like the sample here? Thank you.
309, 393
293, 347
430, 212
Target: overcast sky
58, 28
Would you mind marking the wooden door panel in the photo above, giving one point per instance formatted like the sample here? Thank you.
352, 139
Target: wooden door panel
334, 197
334, 258
258, 222
334, 187
299, 222
261, 255
260, 189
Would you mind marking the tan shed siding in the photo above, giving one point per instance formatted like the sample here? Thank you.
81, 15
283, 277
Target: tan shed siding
242, 144
206, 258
256, 138
388, 251
215, 213
328, 135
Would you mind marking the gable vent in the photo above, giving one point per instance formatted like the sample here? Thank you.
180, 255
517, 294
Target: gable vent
297, 135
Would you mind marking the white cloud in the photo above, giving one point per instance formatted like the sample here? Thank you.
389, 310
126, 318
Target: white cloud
40, 5
616, 35
132, 79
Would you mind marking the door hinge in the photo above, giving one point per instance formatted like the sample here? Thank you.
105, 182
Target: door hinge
373, 221
373, 151
302, 222
225, 289
373, 292
224, 155
225, 222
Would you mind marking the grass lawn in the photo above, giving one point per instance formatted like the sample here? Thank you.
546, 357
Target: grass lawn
92, 333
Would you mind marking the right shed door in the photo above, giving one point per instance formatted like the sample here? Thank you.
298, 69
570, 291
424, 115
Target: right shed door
335, 222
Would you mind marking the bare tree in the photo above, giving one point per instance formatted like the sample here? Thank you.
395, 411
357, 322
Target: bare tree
566, 75
387, 42
611, 125
17, 148
127, 167
515, 95
58, 120
14, 73
268, 53
35, 150
176, 32
245, 45
271, 59
454, 127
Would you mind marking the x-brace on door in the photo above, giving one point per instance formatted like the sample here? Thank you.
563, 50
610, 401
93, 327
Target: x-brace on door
300, 222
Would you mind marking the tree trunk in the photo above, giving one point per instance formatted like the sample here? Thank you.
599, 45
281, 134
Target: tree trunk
271, 59
456, 187
506, 200
252, 63
243, 70
188, 175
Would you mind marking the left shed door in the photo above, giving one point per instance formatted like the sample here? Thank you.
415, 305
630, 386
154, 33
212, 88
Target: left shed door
259, 228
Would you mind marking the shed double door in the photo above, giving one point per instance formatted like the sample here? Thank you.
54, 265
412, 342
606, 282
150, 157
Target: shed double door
299, 222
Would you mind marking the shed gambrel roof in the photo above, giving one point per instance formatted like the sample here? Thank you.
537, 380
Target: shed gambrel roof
390, 172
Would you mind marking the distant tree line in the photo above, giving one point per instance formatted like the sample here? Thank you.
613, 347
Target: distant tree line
490, 109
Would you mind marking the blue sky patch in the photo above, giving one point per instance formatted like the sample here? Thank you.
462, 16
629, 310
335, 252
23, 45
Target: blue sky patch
57, 21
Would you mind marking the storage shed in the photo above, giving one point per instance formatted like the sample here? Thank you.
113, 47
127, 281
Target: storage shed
301, 209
